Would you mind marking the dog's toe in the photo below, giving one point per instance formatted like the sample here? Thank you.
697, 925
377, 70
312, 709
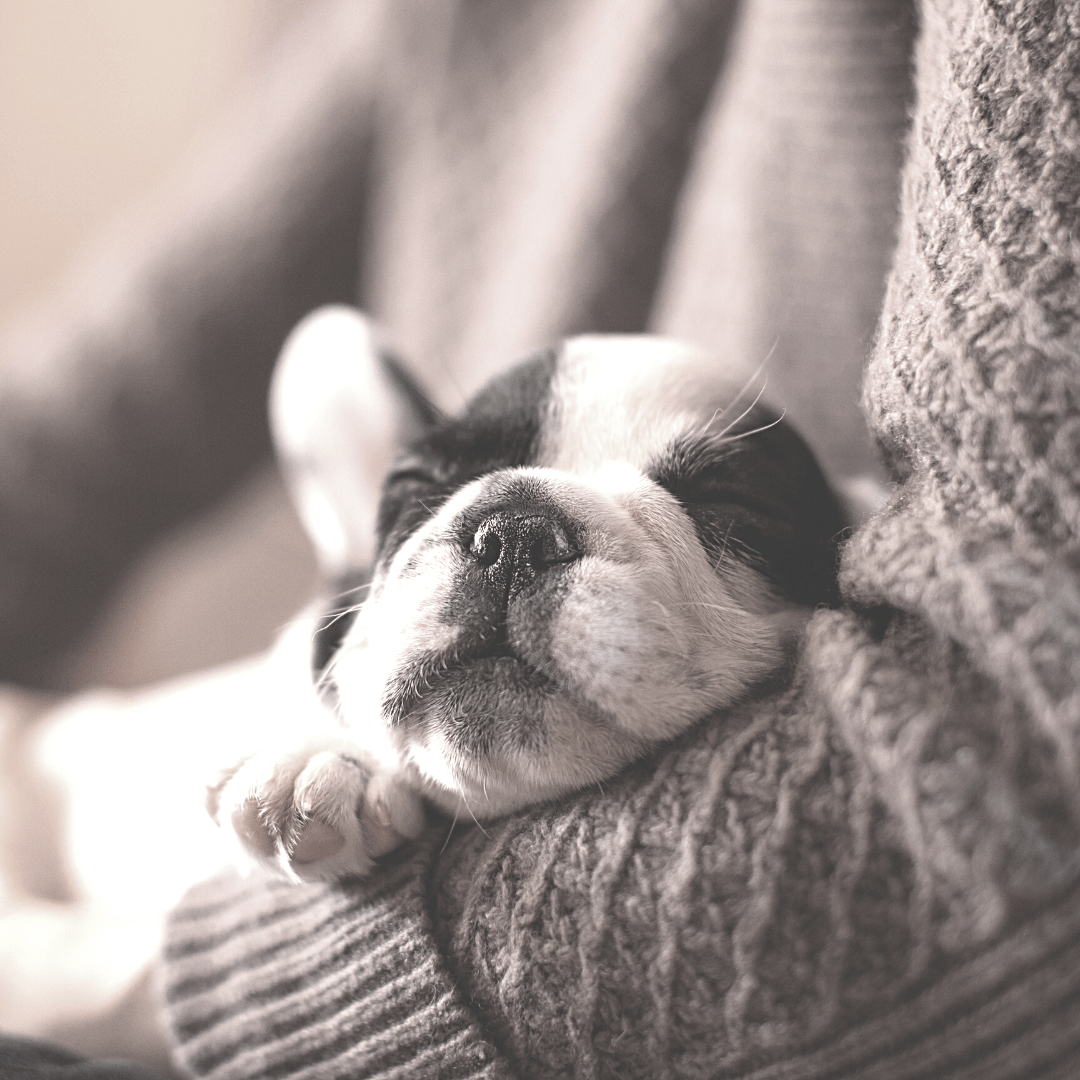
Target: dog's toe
251, 830
315, 841
314, 814
326, 842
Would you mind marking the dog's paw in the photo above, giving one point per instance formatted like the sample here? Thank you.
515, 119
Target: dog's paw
314, 814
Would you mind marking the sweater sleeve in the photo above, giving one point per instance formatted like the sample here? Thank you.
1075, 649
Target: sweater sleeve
138, 396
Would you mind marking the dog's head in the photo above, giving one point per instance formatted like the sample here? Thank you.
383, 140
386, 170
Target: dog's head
610, 542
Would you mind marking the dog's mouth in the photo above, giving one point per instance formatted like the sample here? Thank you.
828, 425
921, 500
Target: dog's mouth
477, 678
494, 644
461, 719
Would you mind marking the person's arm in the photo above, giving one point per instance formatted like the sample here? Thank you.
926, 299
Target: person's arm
141, 396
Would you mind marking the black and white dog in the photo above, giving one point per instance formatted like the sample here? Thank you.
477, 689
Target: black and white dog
611, 542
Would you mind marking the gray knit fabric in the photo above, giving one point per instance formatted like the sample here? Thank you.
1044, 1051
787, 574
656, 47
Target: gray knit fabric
870, 870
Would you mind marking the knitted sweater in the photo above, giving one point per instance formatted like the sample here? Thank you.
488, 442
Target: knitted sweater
869, 869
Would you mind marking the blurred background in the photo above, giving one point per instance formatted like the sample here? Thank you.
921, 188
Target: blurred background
100, 103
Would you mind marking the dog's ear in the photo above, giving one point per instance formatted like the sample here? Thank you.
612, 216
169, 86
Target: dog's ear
340, 407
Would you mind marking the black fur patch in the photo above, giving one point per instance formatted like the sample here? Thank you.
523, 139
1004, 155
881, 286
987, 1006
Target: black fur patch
499, 429
762, 498
350, 590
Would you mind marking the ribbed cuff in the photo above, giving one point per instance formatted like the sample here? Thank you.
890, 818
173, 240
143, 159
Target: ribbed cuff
265, 979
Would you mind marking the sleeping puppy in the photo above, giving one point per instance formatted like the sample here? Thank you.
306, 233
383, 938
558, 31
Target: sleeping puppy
610, 542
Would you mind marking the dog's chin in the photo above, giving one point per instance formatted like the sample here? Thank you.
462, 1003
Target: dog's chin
493, 733
477, 708
485, 699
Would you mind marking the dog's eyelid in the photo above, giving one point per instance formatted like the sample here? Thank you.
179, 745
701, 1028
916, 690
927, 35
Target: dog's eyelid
693, 471
710, 485
414, 470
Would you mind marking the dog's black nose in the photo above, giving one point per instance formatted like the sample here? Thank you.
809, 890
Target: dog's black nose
515, 548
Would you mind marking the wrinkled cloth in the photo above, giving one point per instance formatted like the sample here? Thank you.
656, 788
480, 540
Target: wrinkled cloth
483, 179
869, 869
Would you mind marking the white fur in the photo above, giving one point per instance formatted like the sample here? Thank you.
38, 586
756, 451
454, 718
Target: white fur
316, 811
327, 380
624, 398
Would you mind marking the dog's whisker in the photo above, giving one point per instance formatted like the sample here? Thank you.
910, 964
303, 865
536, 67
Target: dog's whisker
450, 832
724, 547
675, 631
329, 618
746, 412
354, 589
704, 429
746, 385
772, 349
714, 607
756, 431
666, 614
300, 620
473, 816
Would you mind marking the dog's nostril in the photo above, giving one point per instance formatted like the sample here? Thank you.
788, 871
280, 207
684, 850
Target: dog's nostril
551, 544
486, 545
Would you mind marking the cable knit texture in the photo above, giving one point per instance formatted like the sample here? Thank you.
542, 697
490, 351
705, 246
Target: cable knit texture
870, 869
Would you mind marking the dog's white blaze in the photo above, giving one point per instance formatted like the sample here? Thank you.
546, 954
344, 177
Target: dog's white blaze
400, 621
626, 399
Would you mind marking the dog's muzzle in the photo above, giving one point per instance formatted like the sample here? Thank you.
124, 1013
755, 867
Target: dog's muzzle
514, 549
